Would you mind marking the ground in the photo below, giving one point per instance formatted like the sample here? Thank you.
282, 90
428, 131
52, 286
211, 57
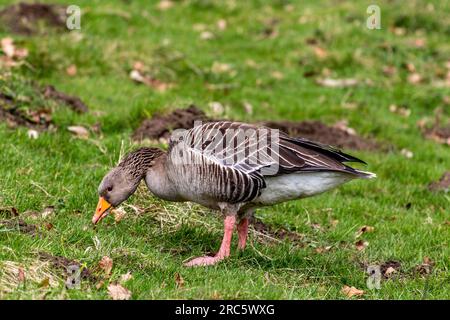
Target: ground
243, 60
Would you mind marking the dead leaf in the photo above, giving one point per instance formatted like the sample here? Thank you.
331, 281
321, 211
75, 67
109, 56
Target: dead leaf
248, 107
118, 292
206, 35
149, 81
361, 245
425, 267
389, 271
389, 70
8, 47
165, 5
410, 67
420, 43
320, 53
71, 70
414, 78
404, 112
323, 249
407, 153
343, 125
79, 131
217, 108
351, 291
179, 281
21, 275
220, 68
337, 83
222, 24
106, 264
125, 277
47, 211
364, 229
277, 75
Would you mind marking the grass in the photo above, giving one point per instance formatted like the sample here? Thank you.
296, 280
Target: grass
60, 170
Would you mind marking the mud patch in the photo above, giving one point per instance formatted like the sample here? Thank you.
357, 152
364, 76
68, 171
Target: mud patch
20, 110
62, 264
443, 184
33, 18
160, 126
74, 103
279, 233
20, 225
320, 132
439, 134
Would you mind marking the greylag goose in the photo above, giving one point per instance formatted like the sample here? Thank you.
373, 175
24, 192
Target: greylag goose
232, 167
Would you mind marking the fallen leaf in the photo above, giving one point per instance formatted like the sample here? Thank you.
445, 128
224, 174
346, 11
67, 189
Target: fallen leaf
21, 275
118, 292
351, 291
320, 53
364, 229
405, 112
425, 267
206, 35
389, 271
343, 125
217, 108
79, 131
8, 47
277, 75
100, 284
407, 153
414, 78
165, 5
361, 245
410, 67
149, 81
125, 277
179, 281
323, 249
337, 83
219, 68
248, 107
71, 70
47, 211
106, 264
389, 70
222, 24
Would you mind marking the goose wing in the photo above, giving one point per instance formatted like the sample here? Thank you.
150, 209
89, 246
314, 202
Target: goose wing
233, 158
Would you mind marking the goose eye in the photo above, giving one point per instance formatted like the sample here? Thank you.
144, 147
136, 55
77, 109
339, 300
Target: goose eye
109, 188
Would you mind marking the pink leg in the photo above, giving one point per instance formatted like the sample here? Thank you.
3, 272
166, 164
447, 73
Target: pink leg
242, 233
224, 250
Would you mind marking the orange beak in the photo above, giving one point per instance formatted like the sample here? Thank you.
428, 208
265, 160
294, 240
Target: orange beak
101, 211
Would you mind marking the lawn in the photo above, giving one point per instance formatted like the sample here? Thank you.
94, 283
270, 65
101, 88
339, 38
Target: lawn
257, 60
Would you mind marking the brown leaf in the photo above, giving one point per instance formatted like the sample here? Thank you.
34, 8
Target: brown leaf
8, 47
165, 5
106, 264
149, 81
320, 53
125, 277
118, 292
389, 271
44, 283
79, 131
361, 245
414, 78
179, 281
21, 275
71, 70
363, 230
47, 211
351, 291
337, 83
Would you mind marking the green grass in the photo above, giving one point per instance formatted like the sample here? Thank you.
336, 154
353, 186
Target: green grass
60, 170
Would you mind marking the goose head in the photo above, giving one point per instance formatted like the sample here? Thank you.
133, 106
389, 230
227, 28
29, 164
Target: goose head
122, 181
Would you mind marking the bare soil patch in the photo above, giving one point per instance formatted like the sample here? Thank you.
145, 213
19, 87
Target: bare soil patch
279, 233
62, 264
20, 225
443, 184
30, 18
160, 126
